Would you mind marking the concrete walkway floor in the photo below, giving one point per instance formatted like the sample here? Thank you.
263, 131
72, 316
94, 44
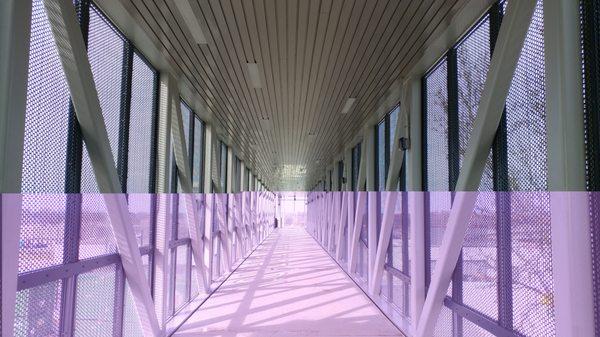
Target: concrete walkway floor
288, 287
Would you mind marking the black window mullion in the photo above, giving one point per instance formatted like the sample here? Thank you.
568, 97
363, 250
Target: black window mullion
590, 24
153, 152
453, 171
152, 180
125, 113
387, 146
425, 187
190, 146
501, 185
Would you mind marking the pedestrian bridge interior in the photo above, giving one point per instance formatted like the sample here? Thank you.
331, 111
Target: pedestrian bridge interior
300, 168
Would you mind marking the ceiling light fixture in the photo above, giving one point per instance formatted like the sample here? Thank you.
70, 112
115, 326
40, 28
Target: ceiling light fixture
266, 124
254, 75
349, 103
191, 20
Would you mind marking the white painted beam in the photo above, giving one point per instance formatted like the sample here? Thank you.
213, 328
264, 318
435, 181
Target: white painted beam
69, 40
343, 217
569, 205
502, 67
361, 203
372, 207
15, 23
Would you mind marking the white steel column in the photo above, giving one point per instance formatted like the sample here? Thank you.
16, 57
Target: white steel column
15, 23
227, 231
414, 181
341, 224
569, 203
73, 55
502, 67
184, 173
350, 200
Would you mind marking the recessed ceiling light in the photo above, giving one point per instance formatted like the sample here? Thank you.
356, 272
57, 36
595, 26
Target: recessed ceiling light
191, 20
349, 103
266, 124
254, 75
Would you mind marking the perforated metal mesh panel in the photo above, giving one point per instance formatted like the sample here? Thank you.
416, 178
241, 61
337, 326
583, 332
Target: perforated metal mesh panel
47, 111
42, 231
401, 296
381, 163
181, 281
215, 258
105, 52
94, 303
437, 165
37, 311
398, 238
533, 307
96, 237
443, 327
131, 321
182, 218
590, 18
194, 289
479, 252
44, 150
141, 123
437, 128
472, 330
198, 153
139, 206
186, 114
